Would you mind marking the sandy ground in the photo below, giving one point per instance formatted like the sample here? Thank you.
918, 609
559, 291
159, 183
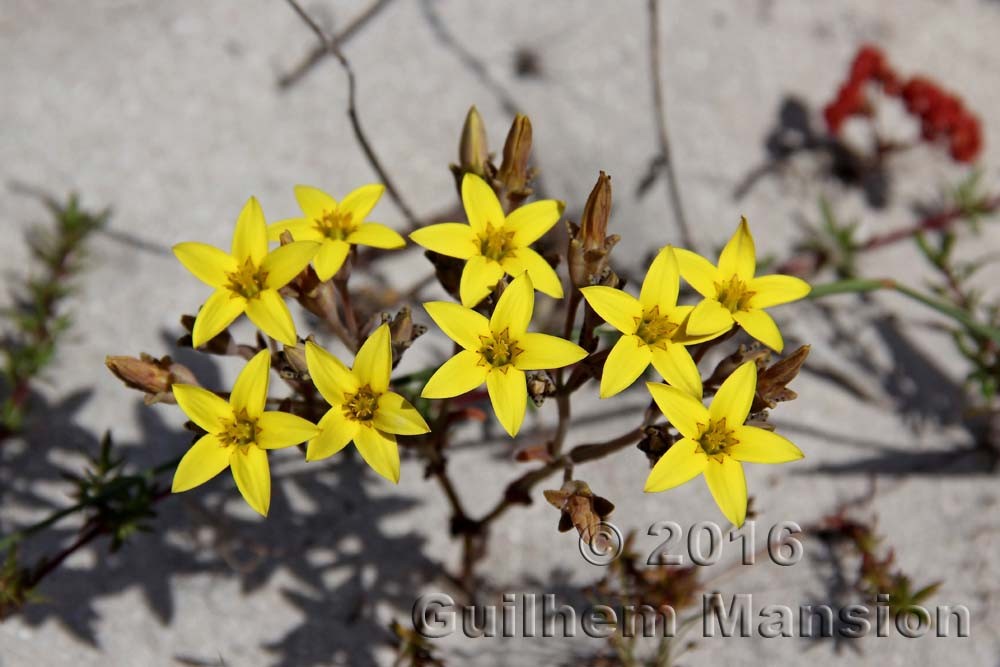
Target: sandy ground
170, 113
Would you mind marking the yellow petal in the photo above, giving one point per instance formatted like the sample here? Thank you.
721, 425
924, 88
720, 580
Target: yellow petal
250, 389
333, 379
379, 450
287, 261
729, 488
301, 229
738, 257
698, 272
453, 239
209, 265
250, 237
336, 430
685, 412
757, 445
396, 415
373, 363
330, 257
530, 222
543, 352
314, 202
543, 276
509, 396
659, 288
361, 201
628, 359
460, 374
677, 367
206, 459
270, 314
253, 477
514, 307
281, 429
761, 326
684, 461
202, 406
733, 400
377, 236
776, 290
479, 277
683, 336
708, 318
620, 310
481, 204
218, 313
463, 325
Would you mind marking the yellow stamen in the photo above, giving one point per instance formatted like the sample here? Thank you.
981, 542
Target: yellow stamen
496, 243
655, 329
336, 224
362, 405
717, 438
499, 350
734, 295
241, 432
248, 280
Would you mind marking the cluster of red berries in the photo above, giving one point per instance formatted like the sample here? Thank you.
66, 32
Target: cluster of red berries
942, 115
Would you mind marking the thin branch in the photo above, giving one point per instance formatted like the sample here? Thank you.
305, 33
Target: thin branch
331, 47
659, 108
315, 56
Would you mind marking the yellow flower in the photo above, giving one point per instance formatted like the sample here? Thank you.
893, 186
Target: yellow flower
337, 226
714, 441
494, 244
239, 433
654, 327
247, 280
497, 351
732, 293
362, 407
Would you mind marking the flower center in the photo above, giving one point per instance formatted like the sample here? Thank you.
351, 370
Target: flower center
335, 224
362, 405
496, 243
248, 280
734, 294
717, 438
654, 328
241, 432
499, 350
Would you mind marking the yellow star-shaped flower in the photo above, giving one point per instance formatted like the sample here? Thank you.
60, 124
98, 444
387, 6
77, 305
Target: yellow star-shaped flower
714, 441
363, 409
655, 329
497, 351
246, 280
239, 433
337, 226
732, 293
494, 244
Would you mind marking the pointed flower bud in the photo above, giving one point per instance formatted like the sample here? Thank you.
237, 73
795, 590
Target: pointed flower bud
514, 173
473, 149
589, 244
151, 375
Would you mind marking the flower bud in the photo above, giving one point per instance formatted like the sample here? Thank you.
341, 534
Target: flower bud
403, 331
473, 150
150, 375
514, 173
589, 244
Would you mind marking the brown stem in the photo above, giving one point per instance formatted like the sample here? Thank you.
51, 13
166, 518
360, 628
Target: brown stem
660, 110
331, 47
319, 52
349, 317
